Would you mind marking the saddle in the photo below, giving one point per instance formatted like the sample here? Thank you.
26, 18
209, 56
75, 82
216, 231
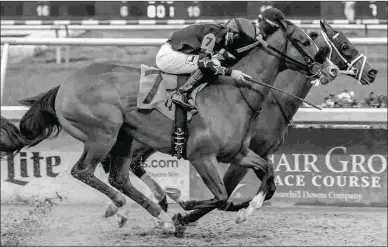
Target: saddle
155, 90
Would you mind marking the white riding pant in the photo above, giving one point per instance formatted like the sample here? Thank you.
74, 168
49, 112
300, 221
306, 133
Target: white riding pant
175, 62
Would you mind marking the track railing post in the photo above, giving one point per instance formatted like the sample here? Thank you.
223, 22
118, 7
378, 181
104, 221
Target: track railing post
67, 54
4, 61
58, 49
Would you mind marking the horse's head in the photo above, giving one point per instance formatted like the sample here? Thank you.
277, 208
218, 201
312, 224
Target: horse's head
343, 54
299, 52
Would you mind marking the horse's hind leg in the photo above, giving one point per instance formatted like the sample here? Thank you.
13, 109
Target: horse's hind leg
97, 128
119, 178
94, 152
140, 153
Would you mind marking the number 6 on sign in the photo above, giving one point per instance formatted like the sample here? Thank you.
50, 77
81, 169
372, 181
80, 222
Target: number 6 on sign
208, 42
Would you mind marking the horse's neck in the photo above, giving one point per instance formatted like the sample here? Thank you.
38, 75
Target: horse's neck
299, 86
261, 66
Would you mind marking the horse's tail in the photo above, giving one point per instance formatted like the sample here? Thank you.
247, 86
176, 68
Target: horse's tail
40, 122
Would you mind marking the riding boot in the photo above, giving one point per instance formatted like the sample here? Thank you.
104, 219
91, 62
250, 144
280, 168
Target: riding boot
179, 97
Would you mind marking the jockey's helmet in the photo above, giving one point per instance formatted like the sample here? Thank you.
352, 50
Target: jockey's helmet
240, 29
270, 16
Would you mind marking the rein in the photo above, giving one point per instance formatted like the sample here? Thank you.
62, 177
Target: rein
277, 89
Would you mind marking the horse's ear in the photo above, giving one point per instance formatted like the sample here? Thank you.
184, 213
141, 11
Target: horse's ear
326, 27
323, 26
283, 25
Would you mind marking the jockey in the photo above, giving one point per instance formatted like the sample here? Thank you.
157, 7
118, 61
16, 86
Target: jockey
267, 20
199, 48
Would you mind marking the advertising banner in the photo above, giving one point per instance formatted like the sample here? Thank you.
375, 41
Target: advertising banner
44, 171
167, 171
322, 166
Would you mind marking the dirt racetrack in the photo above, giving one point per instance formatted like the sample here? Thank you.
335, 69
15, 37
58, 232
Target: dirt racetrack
63, 225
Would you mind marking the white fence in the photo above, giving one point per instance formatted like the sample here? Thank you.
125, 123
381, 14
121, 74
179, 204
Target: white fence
137, 41
114, 42
334, 116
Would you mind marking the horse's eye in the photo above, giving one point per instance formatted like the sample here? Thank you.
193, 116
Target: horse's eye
344, 47
306, 43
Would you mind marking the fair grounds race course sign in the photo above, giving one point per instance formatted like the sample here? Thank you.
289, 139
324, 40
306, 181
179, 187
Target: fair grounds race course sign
323, 167
334, 177
313, 167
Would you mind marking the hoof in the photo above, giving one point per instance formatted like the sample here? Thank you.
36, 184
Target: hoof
163, 204
179, 225
165, 225
164, 221
159, 224
241, 216
121, 220
111, 210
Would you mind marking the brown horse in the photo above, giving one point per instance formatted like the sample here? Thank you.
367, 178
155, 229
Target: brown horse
279, 110
97, 105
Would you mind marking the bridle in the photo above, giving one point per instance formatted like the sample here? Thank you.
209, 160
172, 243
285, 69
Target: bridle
312, 69
351, 70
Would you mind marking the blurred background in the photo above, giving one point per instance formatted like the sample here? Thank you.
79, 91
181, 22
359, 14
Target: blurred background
32, 69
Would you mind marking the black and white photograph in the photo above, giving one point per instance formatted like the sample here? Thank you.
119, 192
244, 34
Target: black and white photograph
194, 123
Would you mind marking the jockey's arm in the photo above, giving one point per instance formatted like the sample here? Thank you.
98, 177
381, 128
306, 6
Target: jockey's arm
207, 65
208, 62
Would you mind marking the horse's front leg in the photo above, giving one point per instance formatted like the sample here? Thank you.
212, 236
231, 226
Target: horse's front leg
232, 178
267, 187
207, 168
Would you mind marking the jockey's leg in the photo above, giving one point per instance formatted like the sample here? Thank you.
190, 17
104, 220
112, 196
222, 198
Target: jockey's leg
179, 97
205, 64
175, 62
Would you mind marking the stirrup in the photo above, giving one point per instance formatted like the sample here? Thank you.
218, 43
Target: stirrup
180, 99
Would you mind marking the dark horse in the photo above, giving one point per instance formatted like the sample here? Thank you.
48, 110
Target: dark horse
97, 106
278, 110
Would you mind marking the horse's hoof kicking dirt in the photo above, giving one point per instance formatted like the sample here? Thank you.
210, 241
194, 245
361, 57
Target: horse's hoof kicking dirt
179, 225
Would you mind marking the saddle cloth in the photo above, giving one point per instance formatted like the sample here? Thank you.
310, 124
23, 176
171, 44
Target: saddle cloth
156, 88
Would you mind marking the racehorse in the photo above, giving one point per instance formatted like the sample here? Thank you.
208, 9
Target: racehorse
97, 106
278, 110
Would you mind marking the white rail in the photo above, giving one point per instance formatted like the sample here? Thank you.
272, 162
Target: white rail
115, 42
343, 116
84, 41
136, 41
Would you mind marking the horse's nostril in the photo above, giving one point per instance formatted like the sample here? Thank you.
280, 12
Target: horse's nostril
372, 73
334, 71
